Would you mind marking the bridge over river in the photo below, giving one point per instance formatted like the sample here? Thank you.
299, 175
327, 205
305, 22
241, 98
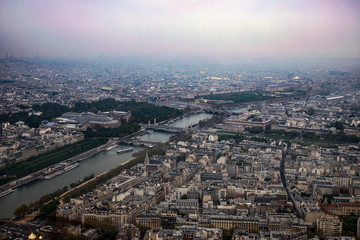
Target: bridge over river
168, 128
139, 142
165, 128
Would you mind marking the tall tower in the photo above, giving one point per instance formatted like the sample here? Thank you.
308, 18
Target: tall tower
146, 160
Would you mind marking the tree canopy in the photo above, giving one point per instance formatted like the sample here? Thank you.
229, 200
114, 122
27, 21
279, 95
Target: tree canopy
141, 111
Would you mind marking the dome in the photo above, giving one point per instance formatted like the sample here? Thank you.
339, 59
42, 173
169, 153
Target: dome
32, 236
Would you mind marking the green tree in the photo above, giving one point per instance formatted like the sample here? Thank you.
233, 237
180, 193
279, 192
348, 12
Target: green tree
310, 111
349, 226
142, 229
217, 118
339, 125
21, 211
345, 191
256, 130
107, 236
104, 226
41, 161
49, 208
237, 137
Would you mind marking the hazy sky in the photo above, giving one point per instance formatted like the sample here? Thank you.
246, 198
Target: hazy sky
85, 28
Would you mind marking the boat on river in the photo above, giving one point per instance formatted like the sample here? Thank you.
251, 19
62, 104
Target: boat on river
71, 167
6, 192
124, 150
52, 175
111, 147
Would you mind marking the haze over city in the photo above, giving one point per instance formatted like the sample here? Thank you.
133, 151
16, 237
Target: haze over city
233, 28
180, 119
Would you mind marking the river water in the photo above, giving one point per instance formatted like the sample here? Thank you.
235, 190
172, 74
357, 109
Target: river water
160, 136
190, 119
31, 192
97, 164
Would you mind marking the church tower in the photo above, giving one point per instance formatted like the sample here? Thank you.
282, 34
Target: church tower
147, 160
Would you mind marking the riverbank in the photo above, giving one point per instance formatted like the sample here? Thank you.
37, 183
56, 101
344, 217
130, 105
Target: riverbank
90, 181
101, 178
94, 182
32, 192
38, 174
99, 165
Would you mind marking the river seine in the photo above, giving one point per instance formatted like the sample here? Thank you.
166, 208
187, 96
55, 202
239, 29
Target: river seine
97, 164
